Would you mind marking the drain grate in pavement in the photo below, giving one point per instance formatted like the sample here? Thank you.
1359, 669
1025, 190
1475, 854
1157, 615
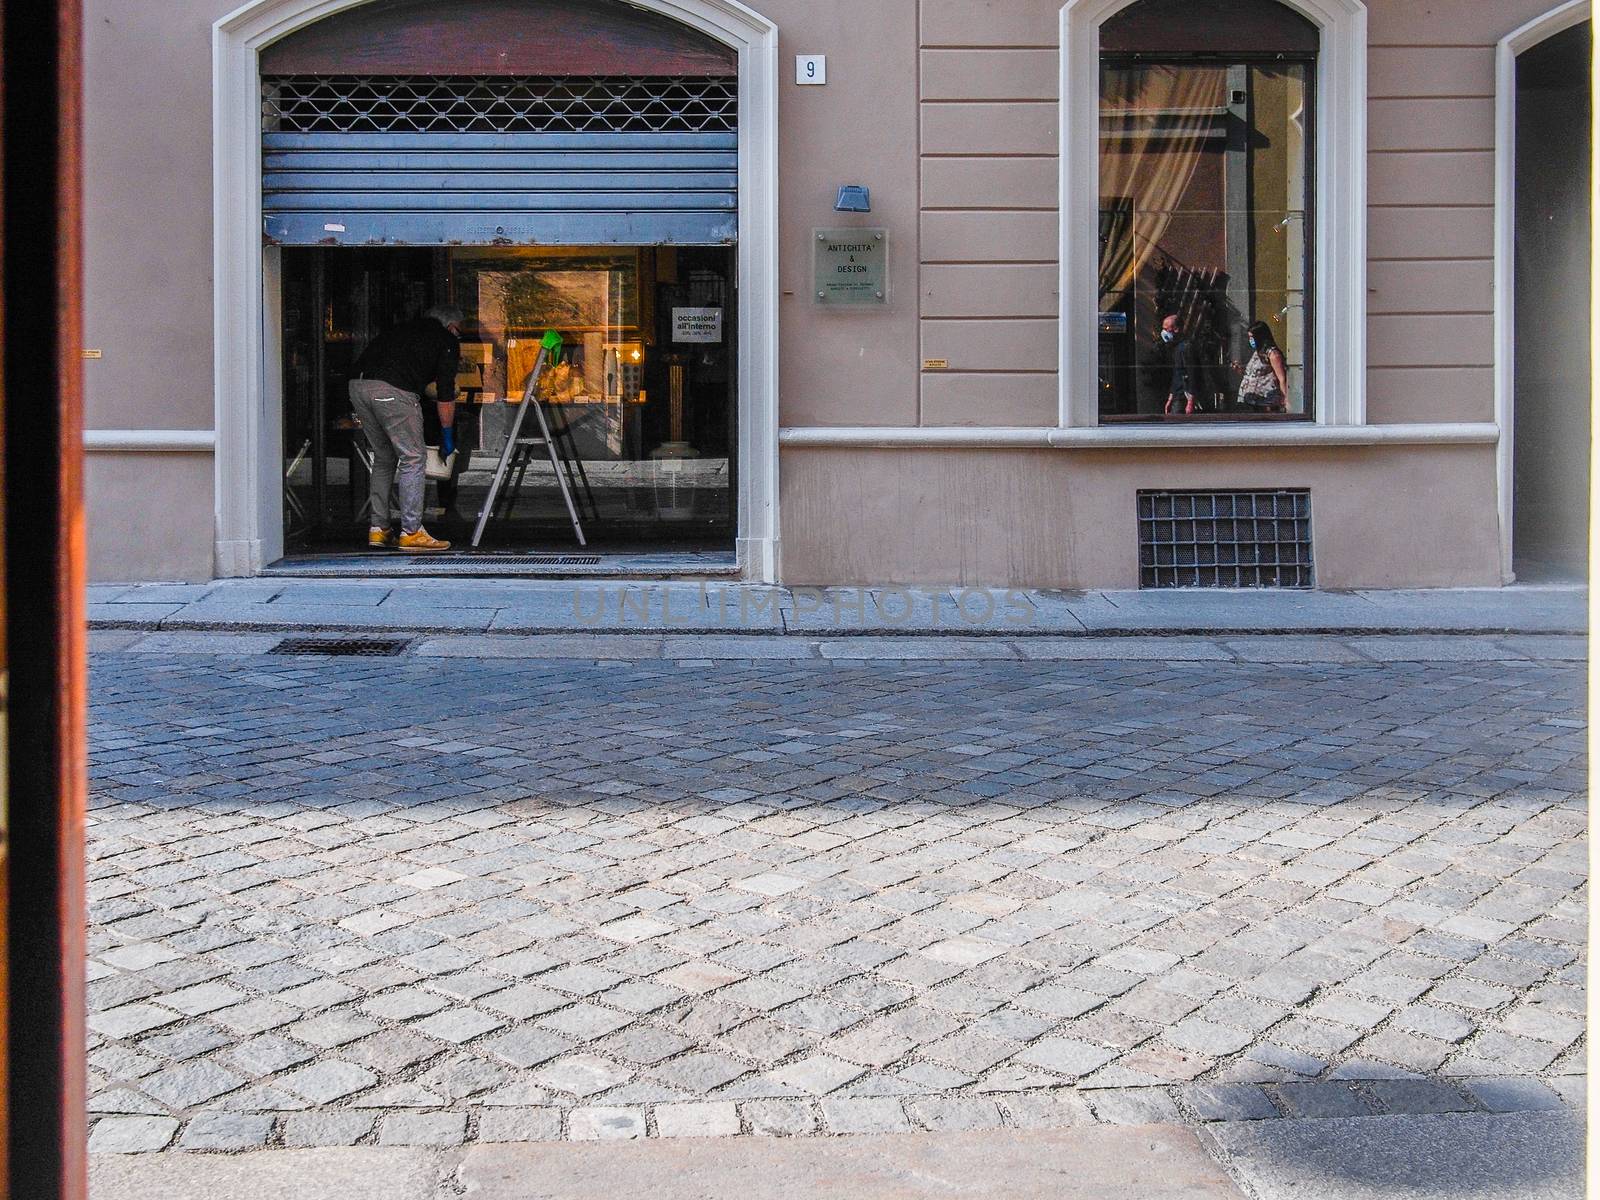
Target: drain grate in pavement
341, 647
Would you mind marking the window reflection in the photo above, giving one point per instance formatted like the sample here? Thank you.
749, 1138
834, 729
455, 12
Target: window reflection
1205, 222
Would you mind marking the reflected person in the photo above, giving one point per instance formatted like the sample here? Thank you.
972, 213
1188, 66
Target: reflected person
1265, 386
1182, 381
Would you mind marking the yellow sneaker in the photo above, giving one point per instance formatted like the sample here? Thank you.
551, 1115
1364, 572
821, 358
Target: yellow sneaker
381, 539
421, 542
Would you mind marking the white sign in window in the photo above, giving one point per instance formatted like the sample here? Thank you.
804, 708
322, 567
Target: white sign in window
697, 325
811, 68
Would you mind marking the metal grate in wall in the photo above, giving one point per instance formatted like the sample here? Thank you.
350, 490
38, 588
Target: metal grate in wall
486, 104
1253, 539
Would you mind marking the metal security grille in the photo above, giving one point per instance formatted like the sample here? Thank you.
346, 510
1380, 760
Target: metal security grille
474, 104
467, 161
342, 647
1225, 539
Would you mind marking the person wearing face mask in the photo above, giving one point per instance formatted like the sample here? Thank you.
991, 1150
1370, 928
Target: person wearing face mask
1265, 386
1182, 383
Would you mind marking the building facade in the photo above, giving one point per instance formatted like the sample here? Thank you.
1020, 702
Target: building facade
983, 292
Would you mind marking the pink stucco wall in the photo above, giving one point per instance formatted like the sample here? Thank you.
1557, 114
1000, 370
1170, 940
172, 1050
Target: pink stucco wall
947, 110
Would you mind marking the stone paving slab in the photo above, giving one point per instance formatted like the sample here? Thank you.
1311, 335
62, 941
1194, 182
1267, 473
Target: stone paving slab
432, 900
572, 645
1164, 649
1472, 1157
1548, 648
290, 616
749, 648
936, 649
1155, 1163
1438, 647
105, 640
907, 610
1534, 608
595, 605
562, 600
1104, 1164
1069, 612
130, 614
352, 1174
601, 606
1205, 609
1292, 650
195, 642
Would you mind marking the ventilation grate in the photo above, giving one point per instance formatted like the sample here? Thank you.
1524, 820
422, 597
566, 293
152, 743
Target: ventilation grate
342, 647
1256, 539
486, 104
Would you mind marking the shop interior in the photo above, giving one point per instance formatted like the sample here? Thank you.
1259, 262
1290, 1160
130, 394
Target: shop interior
641, 405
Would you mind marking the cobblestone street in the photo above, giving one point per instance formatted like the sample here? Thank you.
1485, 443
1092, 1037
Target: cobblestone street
466, 896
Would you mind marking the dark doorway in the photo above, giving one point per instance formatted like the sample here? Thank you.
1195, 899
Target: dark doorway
1550, 524
641, 402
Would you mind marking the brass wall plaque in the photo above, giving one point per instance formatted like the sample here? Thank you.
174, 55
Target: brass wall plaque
851, 267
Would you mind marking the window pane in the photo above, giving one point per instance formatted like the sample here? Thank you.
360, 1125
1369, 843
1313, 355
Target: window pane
641, 402
1204, 218
644, 406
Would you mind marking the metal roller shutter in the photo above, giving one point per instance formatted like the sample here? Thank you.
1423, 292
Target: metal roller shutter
484, 161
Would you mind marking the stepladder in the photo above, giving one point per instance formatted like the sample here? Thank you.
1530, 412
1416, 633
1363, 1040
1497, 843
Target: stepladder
522, 448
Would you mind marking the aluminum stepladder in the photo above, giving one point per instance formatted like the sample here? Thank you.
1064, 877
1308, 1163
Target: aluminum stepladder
515, 442
290, 500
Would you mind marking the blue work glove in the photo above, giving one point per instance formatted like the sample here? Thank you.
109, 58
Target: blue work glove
447, 441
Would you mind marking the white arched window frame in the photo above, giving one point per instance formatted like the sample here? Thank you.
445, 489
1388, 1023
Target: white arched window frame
248, 356
1339, 287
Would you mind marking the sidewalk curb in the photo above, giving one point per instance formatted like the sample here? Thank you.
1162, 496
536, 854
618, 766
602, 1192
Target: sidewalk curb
1202, 631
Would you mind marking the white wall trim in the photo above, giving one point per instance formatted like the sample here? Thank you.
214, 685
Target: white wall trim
1339, 288
249, 518
150, 441
1108, 437
1524, 37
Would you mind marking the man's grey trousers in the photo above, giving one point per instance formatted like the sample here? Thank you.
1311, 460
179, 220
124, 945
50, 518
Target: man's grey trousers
391, 419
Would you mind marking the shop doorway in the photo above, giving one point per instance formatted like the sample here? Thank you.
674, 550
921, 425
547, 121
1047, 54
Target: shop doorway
1551, 263
560, 126
642, 402
692, 85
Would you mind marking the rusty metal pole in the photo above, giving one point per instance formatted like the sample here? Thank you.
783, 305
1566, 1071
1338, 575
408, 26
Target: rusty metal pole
45, 770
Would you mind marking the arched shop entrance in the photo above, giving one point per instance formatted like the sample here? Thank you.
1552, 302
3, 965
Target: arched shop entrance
539, 164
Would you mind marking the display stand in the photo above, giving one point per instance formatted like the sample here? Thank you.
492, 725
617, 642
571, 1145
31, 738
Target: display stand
520, 450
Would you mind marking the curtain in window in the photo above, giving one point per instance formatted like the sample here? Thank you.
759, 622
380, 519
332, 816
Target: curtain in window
1156, 122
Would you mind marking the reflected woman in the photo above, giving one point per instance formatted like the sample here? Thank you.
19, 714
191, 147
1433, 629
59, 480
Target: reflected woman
1265, 387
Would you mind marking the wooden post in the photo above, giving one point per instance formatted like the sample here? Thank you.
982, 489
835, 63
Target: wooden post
42, 429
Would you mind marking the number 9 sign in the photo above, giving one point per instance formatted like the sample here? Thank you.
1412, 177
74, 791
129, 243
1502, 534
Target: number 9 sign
811, 69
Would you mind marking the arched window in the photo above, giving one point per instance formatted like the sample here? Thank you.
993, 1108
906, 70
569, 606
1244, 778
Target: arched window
1207, 211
